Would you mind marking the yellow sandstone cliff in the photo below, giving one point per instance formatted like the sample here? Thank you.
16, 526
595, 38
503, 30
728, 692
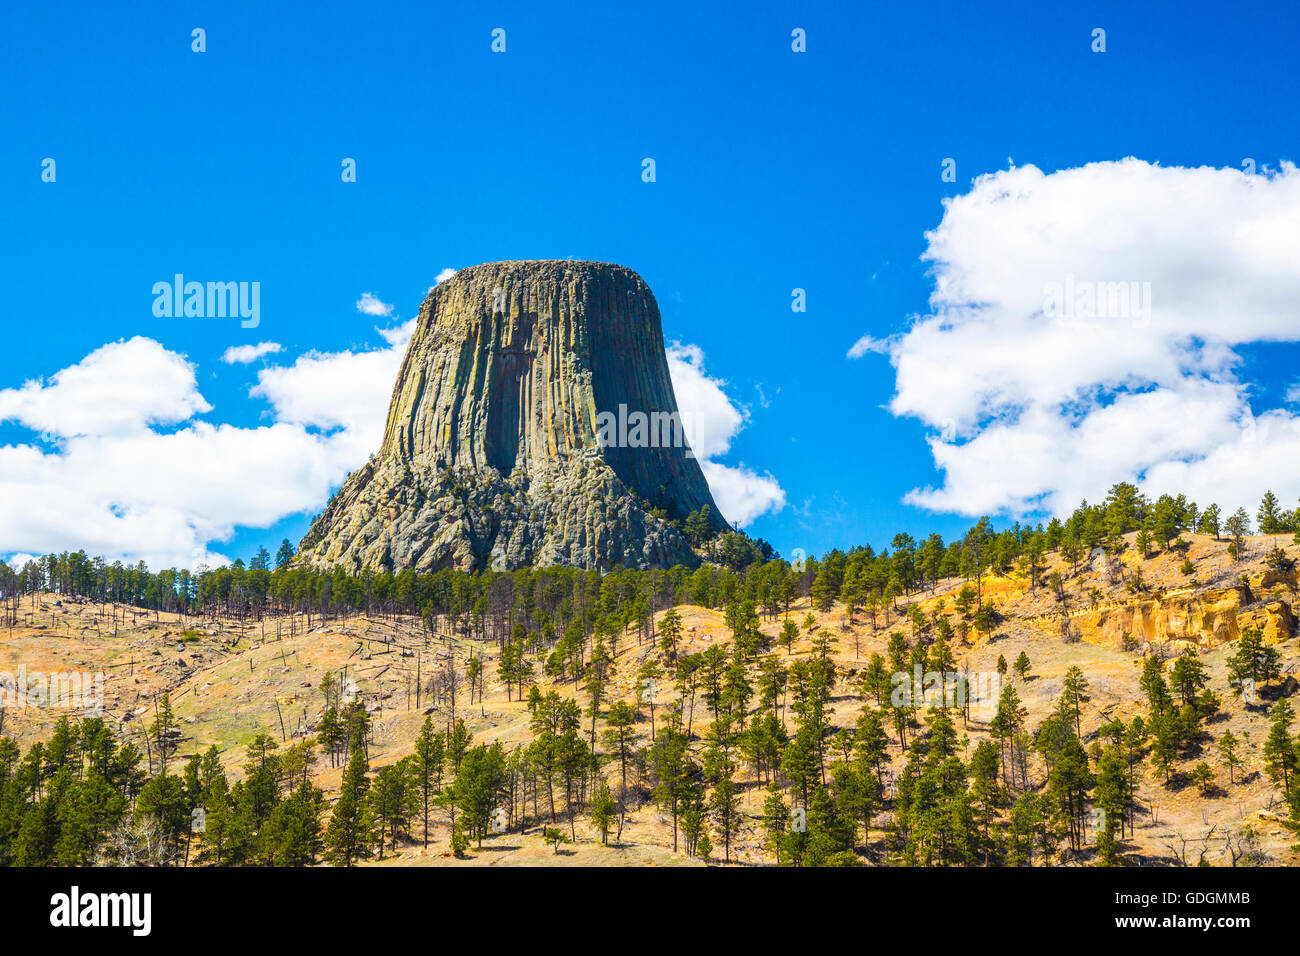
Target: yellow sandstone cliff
1204, 618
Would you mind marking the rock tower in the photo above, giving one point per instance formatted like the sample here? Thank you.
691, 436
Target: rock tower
533, 423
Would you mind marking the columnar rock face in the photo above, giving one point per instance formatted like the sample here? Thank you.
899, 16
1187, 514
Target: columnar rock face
533, 422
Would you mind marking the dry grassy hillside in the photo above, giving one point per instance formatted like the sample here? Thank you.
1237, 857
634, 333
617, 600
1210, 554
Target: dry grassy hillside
229, 681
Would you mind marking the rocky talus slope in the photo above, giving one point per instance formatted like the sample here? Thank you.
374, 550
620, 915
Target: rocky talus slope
533, 423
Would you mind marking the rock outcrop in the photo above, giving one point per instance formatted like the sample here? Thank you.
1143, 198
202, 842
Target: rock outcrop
533, 423
1190, 617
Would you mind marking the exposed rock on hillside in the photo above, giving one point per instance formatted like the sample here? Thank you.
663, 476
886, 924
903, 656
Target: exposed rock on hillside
533, 422
1203, 618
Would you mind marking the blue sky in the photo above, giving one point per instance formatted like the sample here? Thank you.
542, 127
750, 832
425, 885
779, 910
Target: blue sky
775, 170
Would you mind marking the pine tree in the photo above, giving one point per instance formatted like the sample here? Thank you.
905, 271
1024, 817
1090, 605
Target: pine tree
1210, 521
458, 743
1164, 743
1269, 516
1022, 666
1154, 686
1237, 527
1074, 694
823, 590
427, 769
621, 719
776, 823
292, 835
1203, 777
724, 809
672, 770
162, 731
670, 633
284, 555
704, 846
350, 832
162, 801
1114, 799
988, 793
648, 678
1228, 754
603, 809
1188, 676
391, 799
480, 784
789, 633
223, 840
1005, 726
1024, 826
1253, 661
1279, 748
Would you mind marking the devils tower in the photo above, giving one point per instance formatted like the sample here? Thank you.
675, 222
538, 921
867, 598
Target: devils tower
508, 441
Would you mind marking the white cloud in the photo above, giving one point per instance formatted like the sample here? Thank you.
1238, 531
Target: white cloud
118, 388
709, 417
243, 354
867, 344
116, 487
711, 420
344, 391
399, 335
370, 305
441, 277
161, 498
1033, 407
742, 495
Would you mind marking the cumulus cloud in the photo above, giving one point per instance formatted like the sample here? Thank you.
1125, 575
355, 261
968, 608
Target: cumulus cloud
122, 387
399, 335
709, 417
116, 486
741, 493
161, 498
711, 420
1084, 329
243, 354
346, 393
369, 304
